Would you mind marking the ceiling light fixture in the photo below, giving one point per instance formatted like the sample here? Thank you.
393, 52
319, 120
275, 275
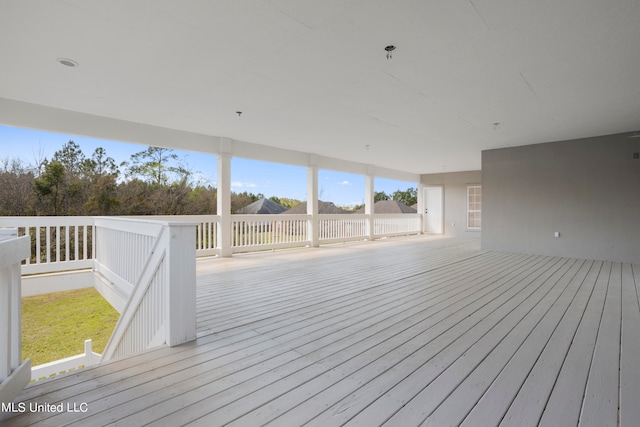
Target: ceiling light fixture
239, 113
390, 49
67, 62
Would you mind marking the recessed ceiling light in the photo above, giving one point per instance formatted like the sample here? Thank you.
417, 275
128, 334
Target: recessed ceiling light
389, 49
67, 62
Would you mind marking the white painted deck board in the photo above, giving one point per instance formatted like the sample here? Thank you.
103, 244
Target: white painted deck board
565, 402
491, 403
432, 339
529, 402
630, 346
600, 405
407, 331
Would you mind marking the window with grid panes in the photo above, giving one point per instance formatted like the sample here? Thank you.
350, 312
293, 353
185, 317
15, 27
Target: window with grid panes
474, 207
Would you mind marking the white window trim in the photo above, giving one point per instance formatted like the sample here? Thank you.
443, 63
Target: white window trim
469, 187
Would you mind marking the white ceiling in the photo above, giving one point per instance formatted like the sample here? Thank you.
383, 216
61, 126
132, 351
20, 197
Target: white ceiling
312, 76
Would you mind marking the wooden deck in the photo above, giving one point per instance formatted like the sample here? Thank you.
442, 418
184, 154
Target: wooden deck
407, 332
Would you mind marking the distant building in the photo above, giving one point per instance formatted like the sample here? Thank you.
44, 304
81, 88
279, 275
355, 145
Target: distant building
389, 207
323, 208
262, 206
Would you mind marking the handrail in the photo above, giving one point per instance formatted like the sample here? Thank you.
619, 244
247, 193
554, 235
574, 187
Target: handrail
14, 373
58, 243
68, 243
396, 224
343, 227
252, 232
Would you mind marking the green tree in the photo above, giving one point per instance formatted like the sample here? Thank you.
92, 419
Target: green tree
134, 198
50, 188
16, 188
99, 165
103, 196
409, 196
72, 158
203, 201
380, 195
100, 183
157, 165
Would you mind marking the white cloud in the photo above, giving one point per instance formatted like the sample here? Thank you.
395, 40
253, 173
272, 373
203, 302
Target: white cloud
345, 182
240, 184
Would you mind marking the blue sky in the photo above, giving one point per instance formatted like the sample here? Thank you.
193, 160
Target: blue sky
270, 179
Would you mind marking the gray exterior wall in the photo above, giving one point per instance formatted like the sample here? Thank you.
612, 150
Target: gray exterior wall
588, 190
455, 199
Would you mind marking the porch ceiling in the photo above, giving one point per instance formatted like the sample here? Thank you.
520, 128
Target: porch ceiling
313, 76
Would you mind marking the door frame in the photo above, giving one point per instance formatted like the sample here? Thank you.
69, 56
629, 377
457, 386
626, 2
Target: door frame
439, 207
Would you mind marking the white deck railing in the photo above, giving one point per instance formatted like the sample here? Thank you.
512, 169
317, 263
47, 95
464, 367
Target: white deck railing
259, 232
206, 230
145, 266
58, 243
50, 369
151, 284
14, 373
68, 243
396, 224
342, 227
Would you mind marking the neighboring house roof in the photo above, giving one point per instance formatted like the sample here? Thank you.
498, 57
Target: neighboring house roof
388, 207
323, 208
262, 206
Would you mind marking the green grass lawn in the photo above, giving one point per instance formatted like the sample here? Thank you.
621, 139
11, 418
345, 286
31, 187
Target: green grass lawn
54, 326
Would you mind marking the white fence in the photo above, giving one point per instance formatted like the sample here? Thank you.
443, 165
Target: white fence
396, 225
260, 232
57, 243
69, 243
151, 283
85, 359
14, 373
342, 228
206, 230
145, 266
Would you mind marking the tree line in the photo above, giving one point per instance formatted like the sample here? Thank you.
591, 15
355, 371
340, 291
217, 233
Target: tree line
154, 181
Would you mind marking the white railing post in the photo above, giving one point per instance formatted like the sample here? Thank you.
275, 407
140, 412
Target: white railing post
181, 289
224, 205
369, 203
312, 206
14, 374
146, 269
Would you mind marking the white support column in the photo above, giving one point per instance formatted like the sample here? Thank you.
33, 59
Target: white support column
312, 206
224, 204
421, 205
369, 191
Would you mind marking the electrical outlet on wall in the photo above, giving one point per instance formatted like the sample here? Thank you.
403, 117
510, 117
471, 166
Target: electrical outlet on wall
556, 234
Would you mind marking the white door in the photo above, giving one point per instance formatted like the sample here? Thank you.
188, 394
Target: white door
433, 202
